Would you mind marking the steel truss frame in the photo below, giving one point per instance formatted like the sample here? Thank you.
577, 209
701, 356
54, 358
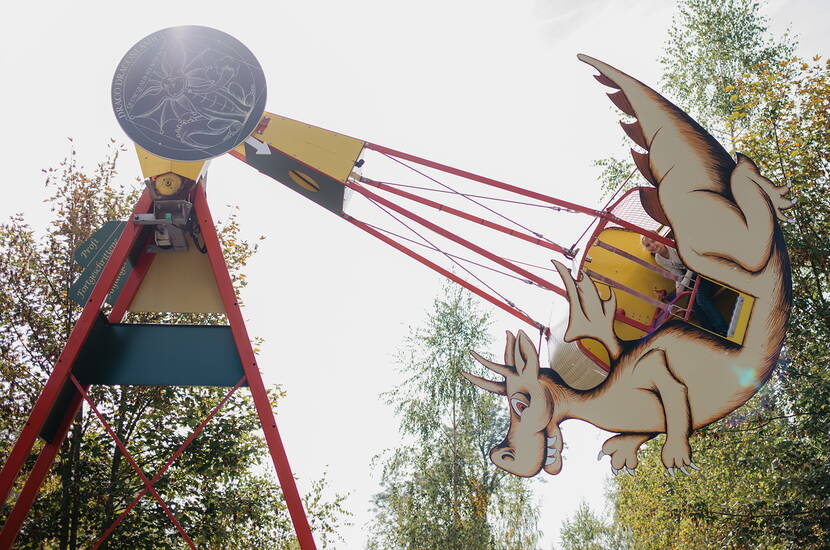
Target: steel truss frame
132, 239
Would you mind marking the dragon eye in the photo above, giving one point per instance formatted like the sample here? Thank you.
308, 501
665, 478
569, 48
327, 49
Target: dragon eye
518, 405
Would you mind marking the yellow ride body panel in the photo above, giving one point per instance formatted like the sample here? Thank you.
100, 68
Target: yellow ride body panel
331, 153
152, 165
179, 282
647, 282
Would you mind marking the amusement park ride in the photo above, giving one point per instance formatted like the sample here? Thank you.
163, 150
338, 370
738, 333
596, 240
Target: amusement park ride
638, 359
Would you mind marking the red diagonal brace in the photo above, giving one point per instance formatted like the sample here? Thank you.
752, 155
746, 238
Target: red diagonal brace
130, 459
169, 463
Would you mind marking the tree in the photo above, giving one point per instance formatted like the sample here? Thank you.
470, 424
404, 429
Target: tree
217, 489
766, 477
711, 44
439, 489
587, 531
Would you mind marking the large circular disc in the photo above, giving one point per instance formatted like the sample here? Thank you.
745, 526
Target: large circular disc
188, 93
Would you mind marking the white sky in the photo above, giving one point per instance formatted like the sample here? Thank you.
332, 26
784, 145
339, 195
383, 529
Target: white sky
491, 87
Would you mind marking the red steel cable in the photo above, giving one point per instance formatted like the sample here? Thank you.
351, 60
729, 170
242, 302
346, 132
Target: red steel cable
467, 260
468, 197
461, 214
519, 190
453, 237
448, 255
448, 274
434, 248
472, 195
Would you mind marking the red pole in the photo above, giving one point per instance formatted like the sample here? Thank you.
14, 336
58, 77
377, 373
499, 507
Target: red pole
50, 450
42, 466
448, 274
251, 370
63, 366
453, 237
461, 214
518, 190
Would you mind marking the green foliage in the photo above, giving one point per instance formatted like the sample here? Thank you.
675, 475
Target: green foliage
440, 490
221, 489
766, 477
587, 531
711, 44
618, 176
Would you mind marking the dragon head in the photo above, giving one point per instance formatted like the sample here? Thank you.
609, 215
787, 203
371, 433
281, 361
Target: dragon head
534, 441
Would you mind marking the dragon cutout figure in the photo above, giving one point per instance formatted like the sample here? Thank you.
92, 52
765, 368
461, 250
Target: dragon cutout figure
724, 217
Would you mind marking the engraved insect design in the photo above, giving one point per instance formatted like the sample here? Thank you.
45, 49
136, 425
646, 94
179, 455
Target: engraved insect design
680, 377
195, 98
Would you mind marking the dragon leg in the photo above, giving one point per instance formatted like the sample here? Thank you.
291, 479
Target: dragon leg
654, 368
622, 449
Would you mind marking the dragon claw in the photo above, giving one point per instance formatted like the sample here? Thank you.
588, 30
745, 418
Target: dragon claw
630, 471
670, 471
693, 466
684, 470
600, 455
615, 471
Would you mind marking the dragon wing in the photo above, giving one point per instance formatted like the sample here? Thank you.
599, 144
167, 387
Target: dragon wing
722, 212
677, 149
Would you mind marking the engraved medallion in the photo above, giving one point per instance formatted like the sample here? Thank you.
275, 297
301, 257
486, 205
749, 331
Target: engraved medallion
188, 93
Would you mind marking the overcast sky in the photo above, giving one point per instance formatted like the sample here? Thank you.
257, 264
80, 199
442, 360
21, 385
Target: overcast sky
489, 86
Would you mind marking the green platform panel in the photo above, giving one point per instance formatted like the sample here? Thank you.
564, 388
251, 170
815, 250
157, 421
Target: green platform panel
158, 355
151, 355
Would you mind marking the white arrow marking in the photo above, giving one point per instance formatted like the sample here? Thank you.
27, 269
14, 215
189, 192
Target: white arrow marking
260, 147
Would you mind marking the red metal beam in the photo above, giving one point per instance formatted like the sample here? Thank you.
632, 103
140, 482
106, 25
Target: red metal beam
628, 256
448, 274
63, 365
453, 237
620, 316
461, 214
251, 370
518, 190
49, 451
612, 283
41, 468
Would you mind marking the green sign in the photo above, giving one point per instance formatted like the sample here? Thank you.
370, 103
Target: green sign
93, 254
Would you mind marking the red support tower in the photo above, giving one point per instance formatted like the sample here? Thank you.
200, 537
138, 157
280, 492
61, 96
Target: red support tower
66, 388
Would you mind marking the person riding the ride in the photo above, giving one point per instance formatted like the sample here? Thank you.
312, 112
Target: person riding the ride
704, 307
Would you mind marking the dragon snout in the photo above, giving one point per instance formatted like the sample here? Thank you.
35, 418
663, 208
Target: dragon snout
517, 459
503, 454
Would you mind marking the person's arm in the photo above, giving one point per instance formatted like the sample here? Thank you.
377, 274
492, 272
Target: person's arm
683, 284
